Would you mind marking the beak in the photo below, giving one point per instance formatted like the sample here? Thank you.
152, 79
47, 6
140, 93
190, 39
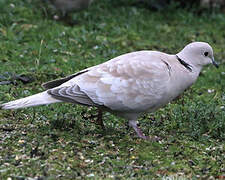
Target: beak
215, 63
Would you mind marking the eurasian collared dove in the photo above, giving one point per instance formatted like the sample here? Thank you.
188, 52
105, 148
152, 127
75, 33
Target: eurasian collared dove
127, 85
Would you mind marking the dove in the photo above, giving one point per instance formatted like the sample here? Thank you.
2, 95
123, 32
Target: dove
128, 85
66, 6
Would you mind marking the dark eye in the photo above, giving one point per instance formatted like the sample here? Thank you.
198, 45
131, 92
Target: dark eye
206, 53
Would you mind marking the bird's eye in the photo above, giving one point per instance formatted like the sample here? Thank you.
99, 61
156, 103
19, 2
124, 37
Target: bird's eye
206, 53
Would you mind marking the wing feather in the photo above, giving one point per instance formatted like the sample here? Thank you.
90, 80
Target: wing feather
58, 82
71, 94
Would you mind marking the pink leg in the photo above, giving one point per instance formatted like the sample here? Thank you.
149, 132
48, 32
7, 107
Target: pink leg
133, 124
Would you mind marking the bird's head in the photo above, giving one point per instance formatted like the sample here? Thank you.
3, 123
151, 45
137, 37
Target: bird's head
198, 54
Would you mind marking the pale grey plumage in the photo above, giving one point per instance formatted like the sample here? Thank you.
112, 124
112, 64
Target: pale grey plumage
128, 85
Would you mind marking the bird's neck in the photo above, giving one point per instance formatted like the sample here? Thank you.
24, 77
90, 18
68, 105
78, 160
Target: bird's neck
184, 63
195, 69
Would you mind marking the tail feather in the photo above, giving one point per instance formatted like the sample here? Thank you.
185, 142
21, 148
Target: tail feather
34, 100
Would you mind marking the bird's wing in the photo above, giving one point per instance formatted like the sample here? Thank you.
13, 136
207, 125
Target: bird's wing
58, 82
71, 94
131, 82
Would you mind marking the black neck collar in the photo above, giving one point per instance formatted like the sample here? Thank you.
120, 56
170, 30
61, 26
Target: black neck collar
186, 65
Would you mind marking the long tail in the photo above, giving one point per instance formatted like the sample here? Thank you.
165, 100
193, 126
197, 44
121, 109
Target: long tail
34, 100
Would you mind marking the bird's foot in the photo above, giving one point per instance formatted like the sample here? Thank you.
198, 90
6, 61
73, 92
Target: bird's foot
153, 138
140, 134
149, 138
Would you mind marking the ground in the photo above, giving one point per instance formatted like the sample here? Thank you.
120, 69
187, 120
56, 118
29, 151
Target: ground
61, 141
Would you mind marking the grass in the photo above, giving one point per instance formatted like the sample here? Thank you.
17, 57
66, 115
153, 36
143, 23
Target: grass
60, 141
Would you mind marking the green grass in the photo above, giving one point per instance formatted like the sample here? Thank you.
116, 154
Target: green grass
60, 141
